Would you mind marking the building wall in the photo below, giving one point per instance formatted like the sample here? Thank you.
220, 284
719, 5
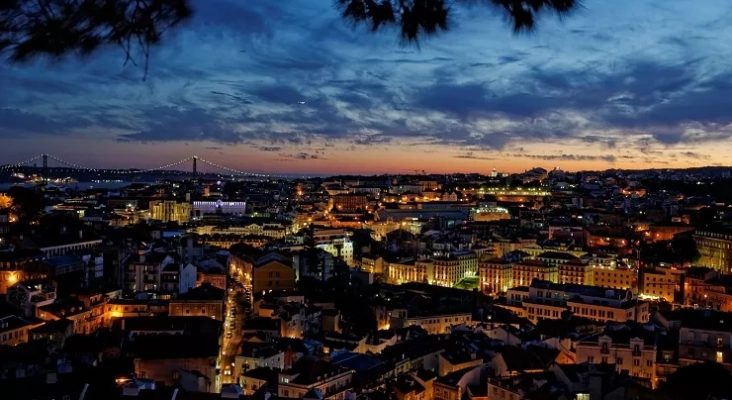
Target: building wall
197, 308
639, 312
715, 249
579, 274
701, 345
495, 277
637, 359
15, 333
334, 384
170, 211
439, 324
272, 276
661, 283
615, 278
215, 280
243, 364
526, 271
166, 370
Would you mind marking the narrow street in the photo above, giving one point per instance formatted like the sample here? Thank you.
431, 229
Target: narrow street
232, 337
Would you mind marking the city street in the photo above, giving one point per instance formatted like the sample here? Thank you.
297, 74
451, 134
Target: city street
232, 338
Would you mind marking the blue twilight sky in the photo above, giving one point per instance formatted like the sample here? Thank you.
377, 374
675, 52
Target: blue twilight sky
287, 86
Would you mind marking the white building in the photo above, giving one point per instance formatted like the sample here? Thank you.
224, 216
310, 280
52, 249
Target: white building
218, 207
342, 247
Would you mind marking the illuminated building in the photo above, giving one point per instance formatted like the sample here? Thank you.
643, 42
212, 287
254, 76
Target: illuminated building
170, 211
490, 214
349, 202
14, 330
715, 248
548, 300
273, 272
577, 271
203, 301
496, 276
434, 323
453, 267
634, 354
527, 270
200, 208
614, 277
662, 283
410, 271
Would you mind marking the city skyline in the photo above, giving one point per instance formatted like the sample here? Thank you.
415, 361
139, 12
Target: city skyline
275, 88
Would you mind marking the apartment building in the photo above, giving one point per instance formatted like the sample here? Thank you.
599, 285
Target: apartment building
576, 271
434, 324
662, 283
705, 336
453, 267
548, 300
310, 374
14, 330
495, 276
410, 271
170, 211
614, 277
632, 352
715, 248
143, 271
524, 272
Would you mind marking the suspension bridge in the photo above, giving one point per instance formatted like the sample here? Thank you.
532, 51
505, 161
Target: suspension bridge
47, 162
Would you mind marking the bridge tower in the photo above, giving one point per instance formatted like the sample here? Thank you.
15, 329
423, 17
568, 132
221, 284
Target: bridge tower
44, 171
195, 165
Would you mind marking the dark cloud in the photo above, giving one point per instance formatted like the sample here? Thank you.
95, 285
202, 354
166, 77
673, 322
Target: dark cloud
300, 156
460, 100
174, 124
370, 140
472, 156
695, 155
568, 157
240, 72
18, 122
241, 99
279, 94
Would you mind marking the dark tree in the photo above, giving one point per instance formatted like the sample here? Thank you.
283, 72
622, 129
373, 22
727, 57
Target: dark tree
31, 28
417, 18
27, 203
699, 381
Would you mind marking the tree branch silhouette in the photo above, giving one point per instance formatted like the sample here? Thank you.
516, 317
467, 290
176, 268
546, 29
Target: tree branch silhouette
417, 18
55, 28
34, 28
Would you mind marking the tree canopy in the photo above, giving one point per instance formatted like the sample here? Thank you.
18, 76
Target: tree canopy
55, 28
699, 381
27, 204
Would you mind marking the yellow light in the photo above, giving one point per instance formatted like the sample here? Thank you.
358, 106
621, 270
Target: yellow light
12, 278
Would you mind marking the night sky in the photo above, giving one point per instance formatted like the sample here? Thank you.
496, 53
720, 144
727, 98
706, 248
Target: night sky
287, 86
